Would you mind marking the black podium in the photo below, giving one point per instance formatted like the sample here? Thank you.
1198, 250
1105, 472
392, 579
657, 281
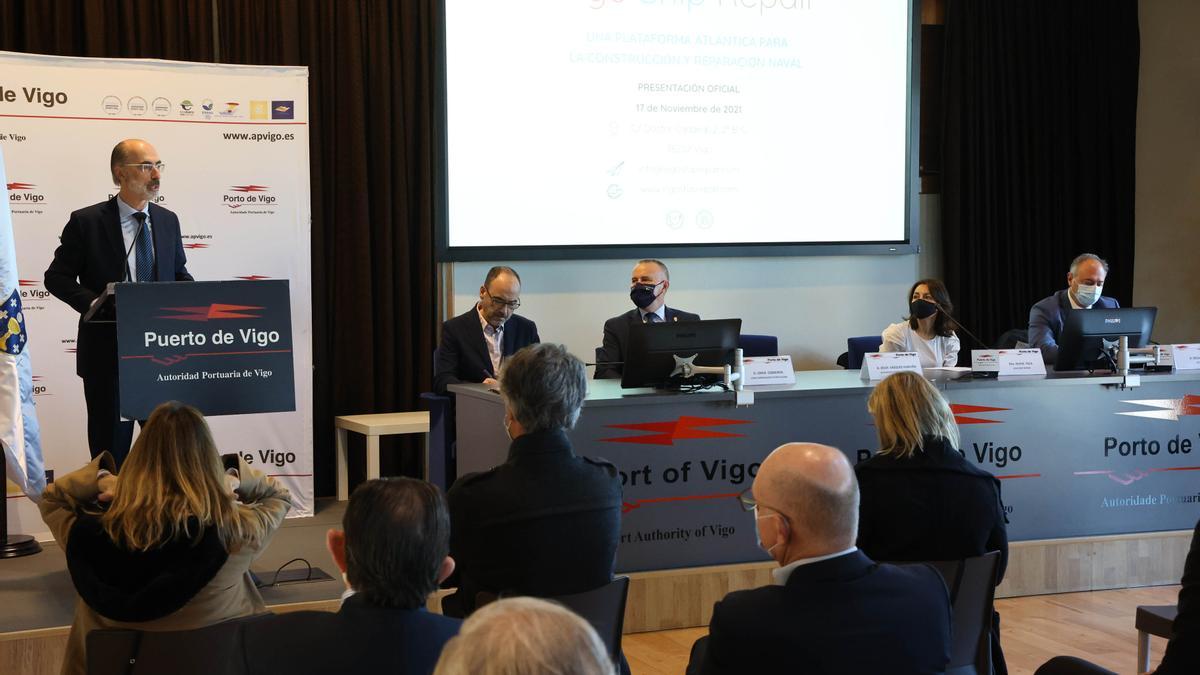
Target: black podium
224, 347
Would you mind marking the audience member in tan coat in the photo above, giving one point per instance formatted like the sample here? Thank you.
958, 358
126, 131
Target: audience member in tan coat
167, 545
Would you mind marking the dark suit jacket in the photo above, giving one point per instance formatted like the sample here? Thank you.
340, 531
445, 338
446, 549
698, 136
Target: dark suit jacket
934, 505
1046, 321
90, 255
1183, 651
359, 638
462, 355
544, 523
843, 615
616, 336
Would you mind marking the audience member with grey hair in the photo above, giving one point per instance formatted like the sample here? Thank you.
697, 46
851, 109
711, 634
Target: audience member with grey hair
1085, 282
546, 522
516, 636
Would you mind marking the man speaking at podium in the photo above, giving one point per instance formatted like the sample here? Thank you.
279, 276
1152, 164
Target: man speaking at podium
126, 238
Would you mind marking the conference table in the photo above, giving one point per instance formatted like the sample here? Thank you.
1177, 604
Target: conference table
1077, 455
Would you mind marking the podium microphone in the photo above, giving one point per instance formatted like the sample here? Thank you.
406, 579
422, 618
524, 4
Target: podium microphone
964, 328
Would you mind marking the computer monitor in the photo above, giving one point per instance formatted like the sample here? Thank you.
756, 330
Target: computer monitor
649, 358
1089, 333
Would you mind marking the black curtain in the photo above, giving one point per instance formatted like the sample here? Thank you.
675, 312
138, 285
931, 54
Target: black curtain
164, 29
371, 162
370, 124
1040, 100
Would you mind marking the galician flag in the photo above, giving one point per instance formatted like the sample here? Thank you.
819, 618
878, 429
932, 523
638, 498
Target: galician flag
18, 419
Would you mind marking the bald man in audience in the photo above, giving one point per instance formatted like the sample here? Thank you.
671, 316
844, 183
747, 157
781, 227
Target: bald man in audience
831, 609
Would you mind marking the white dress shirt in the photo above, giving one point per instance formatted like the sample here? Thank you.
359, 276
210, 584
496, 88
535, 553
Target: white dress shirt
781, 575
494, 337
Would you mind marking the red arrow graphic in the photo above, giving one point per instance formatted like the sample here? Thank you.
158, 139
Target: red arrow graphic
626, 507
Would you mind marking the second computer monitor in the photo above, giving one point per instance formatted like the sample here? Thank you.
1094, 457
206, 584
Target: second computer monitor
1089, 333
652, 349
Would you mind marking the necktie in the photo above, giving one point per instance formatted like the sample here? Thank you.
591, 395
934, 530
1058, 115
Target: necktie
143, 253
653, 318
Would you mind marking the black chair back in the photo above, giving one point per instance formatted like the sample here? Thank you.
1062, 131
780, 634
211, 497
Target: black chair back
1009, 338
972, 586
203, 651
604, 608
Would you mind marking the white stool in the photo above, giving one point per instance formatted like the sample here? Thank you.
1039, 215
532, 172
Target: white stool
374, 426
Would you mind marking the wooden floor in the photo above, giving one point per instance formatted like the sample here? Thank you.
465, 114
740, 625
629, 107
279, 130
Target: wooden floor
1096, 625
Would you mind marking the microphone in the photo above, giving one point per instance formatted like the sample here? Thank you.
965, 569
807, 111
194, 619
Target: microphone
959, 324
605, 363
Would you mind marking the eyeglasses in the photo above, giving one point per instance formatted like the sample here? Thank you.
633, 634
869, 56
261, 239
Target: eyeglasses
746, 500
511, 304
147, 166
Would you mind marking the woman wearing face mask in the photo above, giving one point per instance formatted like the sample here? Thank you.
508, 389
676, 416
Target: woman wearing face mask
927, 330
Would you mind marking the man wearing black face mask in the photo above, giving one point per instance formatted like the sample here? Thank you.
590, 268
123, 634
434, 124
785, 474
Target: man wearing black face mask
648, 291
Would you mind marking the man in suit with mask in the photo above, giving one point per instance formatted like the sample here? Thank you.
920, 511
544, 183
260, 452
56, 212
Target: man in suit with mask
831, 609
1085, 281
648, 290
475, 342
127, 238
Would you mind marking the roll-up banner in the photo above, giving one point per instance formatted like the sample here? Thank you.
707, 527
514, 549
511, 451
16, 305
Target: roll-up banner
234, 141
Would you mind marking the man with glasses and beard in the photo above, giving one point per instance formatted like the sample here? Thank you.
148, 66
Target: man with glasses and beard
475, 342
127, 238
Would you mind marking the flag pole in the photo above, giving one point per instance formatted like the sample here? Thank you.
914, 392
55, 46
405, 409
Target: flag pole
17, 545
17, 432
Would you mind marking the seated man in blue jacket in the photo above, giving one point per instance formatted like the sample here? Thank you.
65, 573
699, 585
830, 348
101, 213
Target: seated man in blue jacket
392, 552
832, 609
1085, 281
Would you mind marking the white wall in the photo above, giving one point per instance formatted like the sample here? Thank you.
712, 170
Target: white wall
812, 303
1167, 201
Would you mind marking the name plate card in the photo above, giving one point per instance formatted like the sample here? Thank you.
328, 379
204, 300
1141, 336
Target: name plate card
985, 360
1021, 362
759, 370
878, 365
1186, 357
